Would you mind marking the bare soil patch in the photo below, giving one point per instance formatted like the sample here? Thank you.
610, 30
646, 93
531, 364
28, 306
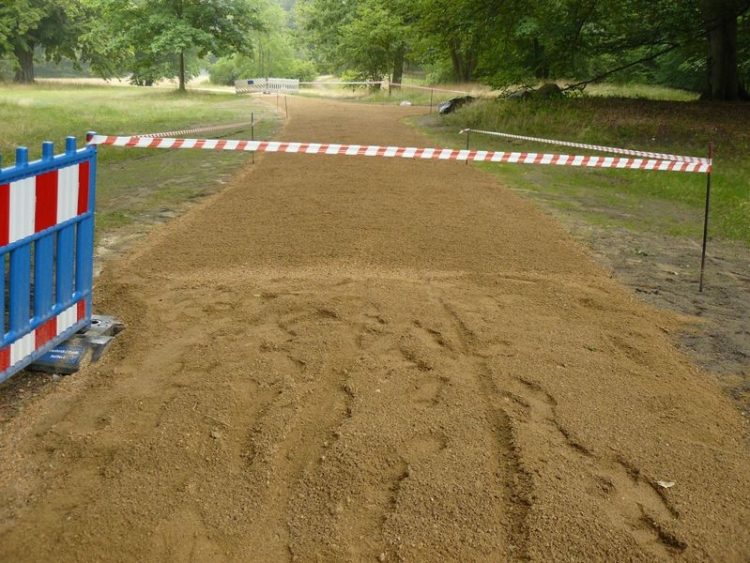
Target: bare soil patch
361, 359
664, 271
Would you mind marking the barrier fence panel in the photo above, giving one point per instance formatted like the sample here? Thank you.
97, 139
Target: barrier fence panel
46, 250
266, 85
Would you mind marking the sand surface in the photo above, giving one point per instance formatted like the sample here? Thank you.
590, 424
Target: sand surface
342, 358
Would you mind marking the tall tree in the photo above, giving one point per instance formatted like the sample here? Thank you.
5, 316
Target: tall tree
275, 51
459, 30
369, 37
596, 39
720, 19
50, 25
321, 22
373, 42
161, 34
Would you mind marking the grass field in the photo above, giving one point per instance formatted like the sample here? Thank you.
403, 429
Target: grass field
134, 186
669, 203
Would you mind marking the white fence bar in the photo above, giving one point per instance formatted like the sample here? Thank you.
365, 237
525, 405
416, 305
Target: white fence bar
266, 85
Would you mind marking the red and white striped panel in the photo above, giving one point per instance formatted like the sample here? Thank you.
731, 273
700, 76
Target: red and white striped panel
407, 152
26, 345
32, 205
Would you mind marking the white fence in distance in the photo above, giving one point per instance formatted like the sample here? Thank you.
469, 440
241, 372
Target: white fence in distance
266, 85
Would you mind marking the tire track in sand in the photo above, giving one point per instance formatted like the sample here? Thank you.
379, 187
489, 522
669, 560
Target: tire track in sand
517, 483
634, 503
292, 432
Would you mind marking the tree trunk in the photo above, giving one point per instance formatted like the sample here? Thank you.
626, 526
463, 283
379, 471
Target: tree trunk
721, 31
25, 70
472, 59
261, 59
456, 62
463, 64
182, 71
540, 66
398, 66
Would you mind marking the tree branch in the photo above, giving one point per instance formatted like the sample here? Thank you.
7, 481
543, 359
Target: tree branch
582, 84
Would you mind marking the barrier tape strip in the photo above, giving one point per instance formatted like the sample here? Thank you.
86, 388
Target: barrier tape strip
613, 150
403, 152
240, 125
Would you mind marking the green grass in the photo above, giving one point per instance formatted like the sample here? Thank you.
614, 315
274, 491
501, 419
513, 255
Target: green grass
134, 185
666, 202
644, 91
29, 115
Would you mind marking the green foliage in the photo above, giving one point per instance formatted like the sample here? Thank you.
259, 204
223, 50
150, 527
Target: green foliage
643, 40
228, 69
54, 26
511, 42
149, 37
500, 42
456, 32
320, 24
18, 20
274, 52
371, 38
369, 42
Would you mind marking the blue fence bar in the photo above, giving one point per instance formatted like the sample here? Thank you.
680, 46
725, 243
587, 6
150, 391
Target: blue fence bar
46, 251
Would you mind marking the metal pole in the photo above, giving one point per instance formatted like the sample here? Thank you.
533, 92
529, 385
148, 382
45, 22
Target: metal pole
705, 218
468, 144
252, 131
432, 92
286, 107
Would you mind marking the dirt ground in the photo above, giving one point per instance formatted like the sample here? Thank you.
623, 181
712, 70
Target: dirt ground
664, 271
369, 359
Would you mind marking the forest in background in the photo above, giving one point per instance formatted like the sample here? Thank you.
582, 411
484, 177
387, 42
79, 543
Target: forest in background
698, 45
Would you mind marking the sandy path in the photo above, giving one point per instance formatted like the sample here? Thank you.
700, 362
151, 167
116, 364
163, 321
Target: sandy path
348, 358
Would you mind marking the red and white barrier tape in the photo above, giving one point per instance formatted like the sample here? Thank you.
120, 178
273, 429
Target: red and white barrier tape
613, 150
240, 125
404, 152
